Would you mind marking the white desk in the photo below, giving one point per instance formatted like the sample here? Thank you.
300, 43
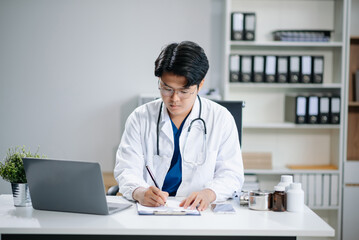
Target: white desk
245, 222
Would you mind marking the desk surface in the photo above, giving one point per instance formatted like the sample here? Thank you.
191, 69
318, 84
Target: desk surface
244, 222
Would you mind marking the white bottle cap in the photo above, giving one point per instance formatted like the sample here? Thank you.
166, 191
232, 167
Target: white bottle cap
279, 188
286, 178
296, 186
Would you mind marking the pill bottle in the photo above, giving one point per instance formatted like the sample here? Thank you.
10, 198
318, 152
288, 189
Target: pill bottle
295, 198
286, 180
279, 199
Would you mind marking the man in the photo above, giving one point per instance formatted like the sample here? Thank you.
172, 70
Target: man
188, 144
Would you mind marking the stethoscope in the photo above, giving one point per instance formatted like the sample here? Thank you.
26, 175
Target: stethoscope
188, 132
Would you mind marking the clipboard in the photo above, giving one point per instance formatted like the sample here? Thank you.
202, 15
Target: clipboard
171, 209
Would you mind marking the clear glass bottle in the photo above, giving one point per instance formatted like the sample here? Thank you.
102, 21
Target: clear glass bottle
279, 199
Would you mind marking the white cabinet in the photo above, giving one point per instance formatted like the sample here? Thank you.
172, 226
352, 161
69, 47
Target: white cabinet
264, 127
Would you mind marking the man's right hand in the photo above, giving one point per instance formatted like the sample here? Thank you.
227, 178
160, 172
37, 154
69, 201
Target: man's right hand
151, 197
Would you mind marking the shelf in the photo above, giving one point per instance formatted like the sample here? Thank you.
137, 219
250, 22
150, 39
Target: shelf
286, 44
287, 85
353, 104
283, 170
288, 125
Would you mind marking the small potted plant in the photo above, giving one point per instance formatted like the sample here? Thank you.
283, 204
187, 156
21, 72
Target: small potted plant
12, 170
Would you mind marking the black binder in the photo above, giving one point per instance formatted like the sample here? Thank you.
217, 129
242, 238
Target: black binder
282, 69
324, 107
313, 109
296, 109
294, 69
249, 26
234, 68
237, 26
306, 69
258, 69
246, 68
318, 69
270, 69
335, 110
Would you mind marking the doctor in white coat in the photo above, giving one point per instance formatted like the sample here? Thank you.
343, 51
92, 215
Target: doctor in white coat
189, 144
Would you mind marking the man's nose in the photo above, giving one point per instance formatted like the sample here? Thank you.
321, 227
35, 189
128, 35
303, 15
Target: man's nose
175, 96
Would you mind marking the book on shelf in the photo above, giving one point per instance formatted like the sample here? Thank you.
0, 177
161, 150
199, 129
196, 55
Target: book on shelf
312, 167
311, 190
302, 35
318, 189
326, 190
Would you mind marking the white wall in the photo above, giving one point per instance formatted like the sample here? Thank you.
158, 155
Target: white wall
354, 18
71, 70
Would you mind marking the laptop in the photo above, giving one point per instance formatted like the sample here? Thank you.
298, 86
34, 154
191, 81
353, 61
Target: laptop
68, 186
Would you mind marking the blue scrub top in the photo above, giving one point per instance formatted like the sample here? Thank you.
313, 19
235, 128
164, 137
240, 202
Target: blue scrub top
174, 175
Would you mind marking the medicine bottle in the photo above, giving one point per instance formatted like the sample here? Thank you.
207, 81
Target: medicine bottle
279, 199
286, 181
295, 198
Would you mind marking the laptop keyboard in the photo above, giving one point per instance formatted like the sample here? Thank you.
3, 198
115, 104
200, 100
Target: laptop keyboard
111, 208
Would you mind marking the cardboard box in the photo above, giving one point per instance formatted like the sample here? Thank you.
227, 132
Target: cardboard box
257, 160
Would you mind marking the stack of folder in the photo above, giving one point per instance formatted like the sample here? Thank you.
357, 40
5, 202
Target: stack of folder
276, 69
302, 35
243, 26
312, 109
320, 190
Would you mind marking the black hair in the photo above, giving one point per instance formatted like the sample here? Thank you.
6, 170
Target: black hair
185, 59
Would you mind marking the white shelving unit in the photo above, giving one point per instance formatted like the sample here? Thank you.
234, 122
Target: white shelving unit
264, 127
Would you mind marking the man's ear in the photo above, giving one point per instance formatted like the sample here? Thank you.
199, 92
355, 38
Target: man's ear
200, 85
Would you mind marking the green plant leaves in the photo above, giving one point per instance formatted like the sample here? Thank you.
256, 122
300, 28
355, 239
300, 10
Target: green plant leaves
13, 169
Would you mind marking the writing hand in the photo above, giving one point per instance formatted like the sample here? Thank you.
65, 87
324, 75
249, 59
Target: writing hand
151, 197
202, 198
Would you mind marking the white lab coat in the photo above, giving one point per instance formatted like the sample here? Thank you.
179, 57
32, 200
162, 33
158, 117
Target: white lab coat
221, 172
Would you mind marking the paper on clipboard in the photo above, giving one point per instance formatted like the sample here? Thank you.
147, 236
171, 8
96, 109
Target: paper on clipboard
172, 208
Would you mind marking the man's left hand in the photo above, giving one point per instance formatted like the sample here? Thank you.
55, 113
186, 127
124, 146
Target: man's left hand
202, 199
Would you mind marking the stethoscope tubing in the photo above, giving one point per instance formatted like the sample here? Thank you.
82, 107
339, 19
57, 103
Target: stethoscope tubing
189, 128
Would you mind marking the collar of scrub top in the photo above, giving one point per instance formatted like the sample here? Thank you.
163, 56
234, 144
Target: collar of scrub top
164, 118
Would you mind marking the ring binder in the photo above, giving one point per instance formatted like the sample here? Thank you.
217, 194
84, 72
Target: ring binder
294, 69
237, 26
258, 69
234, 68
323, 110
306, 69
282, 69
313, 108
249, 26
296, 109
318, 67
335, 110
270, 69
246, 68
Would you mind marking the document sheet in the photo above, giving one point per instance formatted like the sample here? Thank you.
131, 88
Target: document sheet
171, 208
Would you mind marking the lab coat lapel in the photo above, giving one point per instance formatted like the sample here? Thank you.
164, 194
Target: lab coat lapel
165, 125
187, 170
166, 147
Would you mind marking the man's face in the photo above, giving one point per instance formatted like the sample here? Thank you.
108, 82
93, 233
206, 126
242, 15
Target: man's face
178, 99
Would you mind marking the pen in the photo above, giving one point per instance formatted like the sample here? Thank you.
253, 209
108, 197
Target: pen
152, 176
153, 179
